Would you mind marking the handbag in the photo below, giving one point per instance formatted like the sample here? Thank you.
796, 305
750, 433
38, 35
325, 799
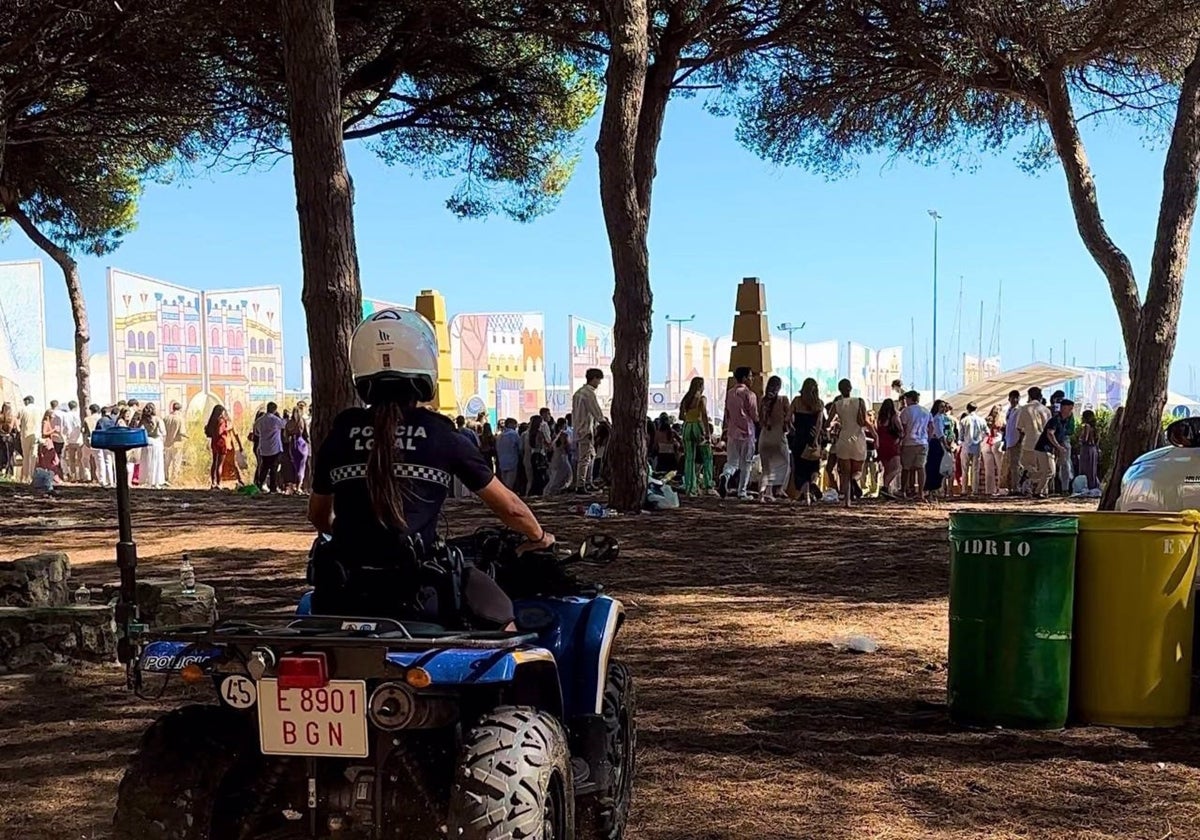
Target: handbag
947, 465
240, 459
812, 450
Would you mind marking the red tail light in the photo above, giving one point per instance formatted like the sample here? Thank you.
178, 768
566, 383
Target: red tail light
309, 670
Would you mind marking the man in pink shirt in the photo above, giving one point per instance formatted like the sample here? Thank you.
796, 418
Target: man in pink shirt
741, 413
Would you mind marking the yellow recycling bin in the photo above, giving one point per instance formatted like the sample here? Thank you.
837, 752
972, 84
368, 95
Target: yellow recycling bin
1134, 616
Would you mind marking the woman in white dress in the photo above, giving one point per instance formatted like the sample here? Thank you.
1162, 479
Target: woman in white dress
851, 447
561, 474
153, 472
773, 453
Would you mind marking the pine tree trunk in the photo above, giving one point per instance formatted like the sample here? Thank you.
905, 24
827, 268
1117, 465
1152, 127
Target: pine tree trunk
626, 220
1085, 204
70, 270
630, 372
331, 294
83, 368
1150, 363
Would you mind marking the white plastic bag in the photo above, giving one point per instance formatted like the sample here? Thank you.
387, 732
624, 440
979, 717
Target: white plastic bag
756, 471
947, 465
661, 496
856, 644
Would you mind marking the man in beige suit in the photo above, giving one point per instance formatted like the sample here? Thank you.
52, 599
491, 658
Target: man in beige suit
174, 441
586, 416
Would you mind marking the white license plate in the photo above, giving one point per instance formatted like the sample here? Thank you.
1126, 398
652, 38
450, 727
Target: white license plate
329, 722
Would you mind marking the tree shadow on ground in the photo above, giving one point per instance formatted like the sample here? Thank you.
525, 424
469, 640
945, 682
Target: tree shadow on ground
823, 717
895, 553
753, 725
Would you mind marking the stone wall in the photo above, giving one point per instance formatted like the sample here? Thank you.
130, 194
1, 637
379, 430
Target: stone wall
42, 580
32, 638
163, 603
39, 623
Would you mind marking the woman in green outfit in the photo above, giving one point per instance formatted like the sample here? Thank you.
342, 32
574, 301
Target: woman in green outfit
697, 445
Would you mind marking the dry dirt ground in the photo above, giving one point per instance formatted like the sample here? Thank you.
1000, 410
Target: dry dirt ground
752, 724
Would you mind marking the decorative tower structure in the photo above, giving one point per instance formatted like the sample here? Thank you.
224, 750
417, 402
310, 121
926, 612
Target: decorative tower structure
432, 305
751, 334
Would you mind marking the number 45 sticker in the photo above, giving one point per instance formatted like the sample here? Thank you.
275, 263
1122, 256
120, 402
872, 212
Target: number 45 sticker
239, 692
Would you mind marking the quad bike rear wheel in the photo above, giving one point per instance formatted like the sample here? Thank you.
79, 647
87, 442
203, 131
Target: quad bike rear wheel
513, 779
603, 815
189, 778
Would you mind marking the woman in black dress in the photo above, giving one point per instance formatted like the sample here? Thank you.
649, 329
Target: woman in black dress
807, 419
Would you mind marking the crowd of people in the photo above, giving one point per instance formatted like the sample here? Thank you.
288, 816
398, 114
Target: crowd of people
54, 445
279, 440
845, 449
799, 447
547, 456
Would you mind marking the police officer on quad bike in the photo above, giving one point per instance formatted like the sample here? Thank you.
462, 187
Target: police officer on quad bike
351, 719
380, 480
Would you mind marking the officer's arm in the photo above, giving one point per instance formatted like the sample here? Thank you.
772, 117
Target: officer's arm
320, 512
514, 513
320, 503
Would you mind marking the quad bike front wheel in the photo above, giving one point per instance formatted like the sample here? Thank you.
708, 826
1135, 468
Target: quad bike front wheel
513, 780
603, 815
189, 778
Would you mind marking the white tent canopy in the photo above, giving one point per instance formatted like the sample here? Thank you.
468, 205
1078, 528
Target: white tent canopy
995, 389
1180, 406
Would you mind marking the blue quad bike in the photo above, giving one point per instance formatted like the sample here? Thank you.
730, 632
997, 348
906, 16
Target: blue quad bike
358, 727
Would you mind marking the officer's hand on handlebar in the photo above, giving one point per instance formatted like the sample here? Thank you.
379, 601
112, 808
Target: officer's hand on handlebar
546, 542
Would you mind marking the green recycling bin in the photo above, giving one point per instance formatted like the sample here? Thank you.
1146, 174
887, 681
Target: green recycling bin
1012, 592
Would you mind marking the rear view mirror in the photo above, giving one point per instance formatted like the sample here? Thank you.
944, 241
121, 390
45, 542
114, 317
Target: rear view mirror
1184, 432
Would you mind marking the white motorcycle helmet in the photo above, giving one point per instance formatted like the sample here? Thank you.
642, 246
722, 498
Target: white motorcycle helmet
393, 351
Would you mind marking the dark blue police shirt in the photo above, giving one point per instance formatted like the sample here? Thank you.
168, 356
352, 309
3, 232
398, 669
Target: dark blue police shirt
430, 454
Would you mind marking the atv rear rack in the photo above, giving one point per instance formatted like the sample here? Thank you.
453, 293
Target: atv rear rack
348, 631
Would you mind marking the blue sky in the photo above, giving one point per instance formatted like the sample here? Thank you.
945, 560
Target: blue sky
852, 257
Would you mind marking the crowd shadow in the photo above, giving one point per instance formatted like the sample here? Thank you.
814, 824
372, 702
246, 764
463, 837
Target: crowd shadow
877, 553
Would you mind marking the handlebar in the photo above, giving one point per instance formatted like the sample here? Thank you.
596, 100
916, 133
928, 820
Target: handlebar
596, 549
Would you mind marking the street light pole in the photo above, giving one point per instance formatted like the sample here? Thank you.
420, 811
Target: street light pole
679, 322
789, 328
936, 218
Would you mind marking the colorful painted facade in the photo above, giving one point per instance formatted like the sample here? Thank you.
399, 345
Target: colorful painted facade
873, 371
498, 361
591, 347
156, 346
689, 354
169, 343
976, 369
370, 306
432, 305
245, 348
889, 366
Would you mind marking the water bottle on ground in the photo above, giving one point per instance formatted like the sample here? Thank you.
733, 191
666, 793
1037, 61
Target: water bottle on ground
187, 577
